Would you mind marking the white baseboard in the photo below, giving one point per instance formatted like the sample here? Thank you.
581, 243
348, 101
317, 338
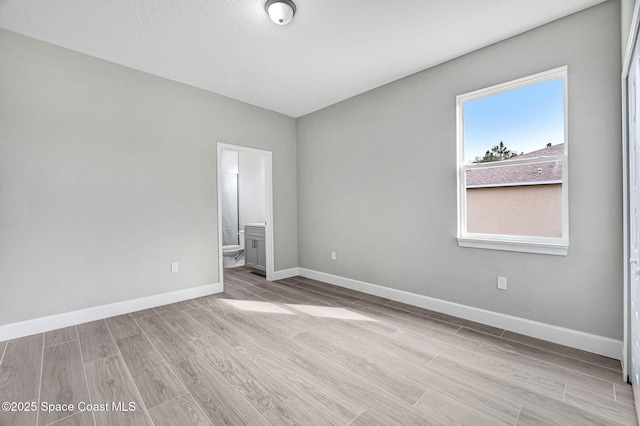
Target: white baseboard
576, 339
285, 273
67, 319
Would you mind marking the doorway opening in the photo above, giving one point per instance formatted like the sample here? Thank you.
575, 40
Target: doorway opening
245, 210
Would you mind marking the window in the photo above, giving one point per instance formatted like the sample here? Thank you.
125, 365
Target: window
512, 165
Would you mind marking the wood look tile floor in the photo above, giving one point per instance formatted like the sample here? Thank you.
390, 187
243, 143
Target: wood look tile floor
302, 352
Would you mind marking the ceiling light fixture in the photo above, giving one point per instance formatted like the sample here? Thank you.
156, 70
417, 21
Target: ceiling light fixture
281, 11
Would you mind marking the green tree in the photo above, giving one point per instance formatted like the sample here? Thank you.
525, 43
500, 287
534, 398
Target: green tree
497, 153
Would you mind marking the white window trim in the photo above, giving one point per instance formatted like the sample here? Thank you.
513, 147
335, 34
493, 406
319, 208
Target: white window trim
527, 244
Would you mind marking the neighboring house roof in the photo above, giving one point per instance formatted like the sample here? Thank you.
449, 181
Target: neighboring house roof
523, 174
547, 151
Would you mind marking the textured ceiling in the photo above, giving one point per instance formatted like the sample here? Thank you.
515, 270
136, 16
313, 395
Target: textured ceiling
332, 50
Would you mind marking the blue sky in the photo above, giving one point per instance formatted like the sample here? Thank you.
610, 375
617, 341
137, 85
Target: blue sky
525, 119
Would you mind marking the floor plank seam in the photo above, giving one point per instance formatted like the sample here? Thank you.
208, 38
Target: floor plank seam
173, 364
144, 333
431, 360
66, 339
17, 339
594, 411
130, 375
430, 317
4, 350
40, 384
166, 364
580, 373
239, 394
415, 404
383, 367
135, 386
170, 400
101, 359
518, 416
510, 380
626, 403
481, 343
599, 365
341, 297
273, 408
195, 401
61, 419
307, 289
416, 323
620, 400
565, 355
172, 368
113, 339
169, 324
355, 418
86, 380
426, 331
346, 344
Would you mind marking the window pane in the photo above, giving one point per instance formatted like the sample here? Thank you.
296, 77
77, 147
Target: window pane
523, 200
505, 202
515, 122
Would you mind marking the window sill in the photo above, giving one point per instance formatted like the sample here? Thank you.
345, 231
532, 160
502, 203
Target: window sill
556, 249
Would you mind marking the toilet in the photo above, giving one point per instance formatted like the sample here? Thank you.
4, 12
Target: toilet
233, 255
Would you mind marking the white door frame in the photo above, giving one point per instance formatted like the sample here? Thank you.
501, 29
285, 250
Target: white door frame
626, 66
268, 206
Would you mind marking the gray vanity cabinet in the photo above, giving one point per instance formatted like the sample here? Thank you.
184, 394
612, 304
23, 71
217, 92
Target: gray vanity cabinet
254, 248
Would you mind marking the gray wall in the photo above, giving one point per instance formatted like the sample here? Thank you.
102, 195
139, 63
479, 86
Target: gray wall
377, 183
251, 188
107, 175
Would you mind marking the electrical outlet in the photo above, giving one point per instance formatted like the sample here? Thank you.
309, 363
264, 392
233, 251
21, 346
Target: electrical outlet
333, 255
502, 283
174, 267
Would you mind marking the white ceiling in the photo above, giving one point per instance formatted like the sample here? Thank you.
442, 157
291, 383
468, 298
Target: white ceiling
332, 50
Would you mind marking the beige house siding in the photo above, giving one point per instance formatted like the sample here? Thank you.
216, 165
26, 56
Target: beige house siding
532, 210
